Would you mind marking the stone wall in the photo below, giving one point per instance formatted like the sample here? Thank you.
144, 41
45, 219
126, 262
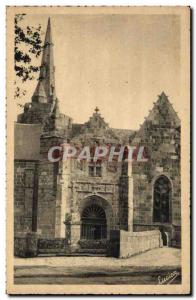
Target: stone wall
20, 246
26, 245
35, 113
160, 135
171, 234
81, 190
35, 197
137, 242
144, 188
46, 199
55, 246
123, 203
160, 162
47, 189
24, 194
30, 245
45, 192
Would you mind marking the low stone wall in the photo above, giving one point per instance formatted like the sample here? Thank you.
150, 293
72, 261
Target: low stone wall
137, 242
26, 246
171, 234
55, 246
55, 243
122, 244
20, 246
30, 245
93, 244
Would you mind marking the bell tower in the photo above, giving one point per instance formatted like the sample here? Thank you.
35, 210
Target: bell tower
44, 96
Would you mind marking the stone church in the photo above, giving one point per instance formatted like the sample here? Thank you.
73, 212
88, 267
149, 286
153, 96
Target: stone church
103, 208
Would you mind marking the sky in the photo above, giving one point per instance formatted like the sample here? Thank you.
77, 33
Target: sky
120, 63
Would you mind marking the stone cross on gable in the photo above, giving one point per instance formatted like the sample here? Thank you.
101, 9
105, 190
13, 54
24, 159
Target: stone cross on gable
96, 109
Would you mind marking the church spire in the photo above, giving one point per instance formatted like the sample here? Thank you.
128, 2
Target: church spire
56, 110
47, 69
39, 94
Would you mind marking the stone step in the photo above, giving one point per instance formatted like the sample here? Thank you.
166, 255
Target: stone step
80, 252
92, 251
73, 254
48, 252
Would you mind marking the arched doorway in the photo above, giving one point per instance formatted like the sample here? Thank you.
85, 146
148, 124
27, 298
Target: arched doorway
165, 235
94, 224
165, 238
162, 200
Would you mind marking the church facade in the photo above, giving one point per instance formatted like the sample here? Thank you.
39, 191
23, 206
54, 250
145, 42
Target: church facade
71, 206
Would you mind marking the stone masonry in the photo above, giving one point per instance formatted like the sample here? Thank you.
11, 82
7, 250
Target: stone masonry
57, 200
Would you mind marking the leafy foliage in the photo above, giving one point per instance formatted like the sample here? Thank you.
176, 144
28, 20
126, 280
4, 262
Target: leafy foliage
28, 46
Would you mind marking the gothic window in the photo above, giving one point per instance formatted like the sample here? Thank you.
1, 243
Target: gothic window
162, 200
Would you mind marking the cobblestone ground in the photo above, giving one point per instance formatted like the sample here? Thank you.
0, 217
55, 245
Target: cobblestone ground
143, 268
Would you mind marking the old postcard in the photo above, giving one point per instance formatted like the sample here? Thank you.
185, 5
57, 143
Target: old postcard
98, 150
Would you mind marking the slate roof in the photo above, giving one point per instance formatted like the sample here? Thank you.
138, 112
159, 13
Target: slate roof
27, 141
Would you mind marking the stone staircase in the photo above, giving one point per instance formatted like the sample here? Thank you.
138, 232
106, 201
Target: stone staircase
93, 248
79, 252
91, 252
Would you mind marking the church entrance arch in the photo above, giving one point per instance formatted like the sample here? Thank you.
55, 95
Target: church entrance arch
93, 223
96, 217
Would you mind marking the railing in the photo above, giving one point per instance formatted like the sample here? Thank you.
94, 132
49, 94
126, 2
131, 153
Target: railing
94, 231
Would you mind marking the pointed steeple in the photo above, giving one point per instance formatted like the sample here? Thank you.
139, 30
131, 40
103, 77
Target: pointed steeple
56, 110
39, 94
47, 69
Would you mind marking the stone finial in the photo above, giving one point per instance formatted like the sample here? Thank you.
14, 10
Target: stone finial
163, 95
96, 110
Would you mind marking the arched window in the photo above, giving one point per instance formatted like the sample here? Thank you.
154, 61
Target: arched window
162, 200
94, 225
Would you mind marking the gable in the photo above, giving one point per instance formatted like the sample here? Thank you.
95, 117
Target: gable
161, 117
